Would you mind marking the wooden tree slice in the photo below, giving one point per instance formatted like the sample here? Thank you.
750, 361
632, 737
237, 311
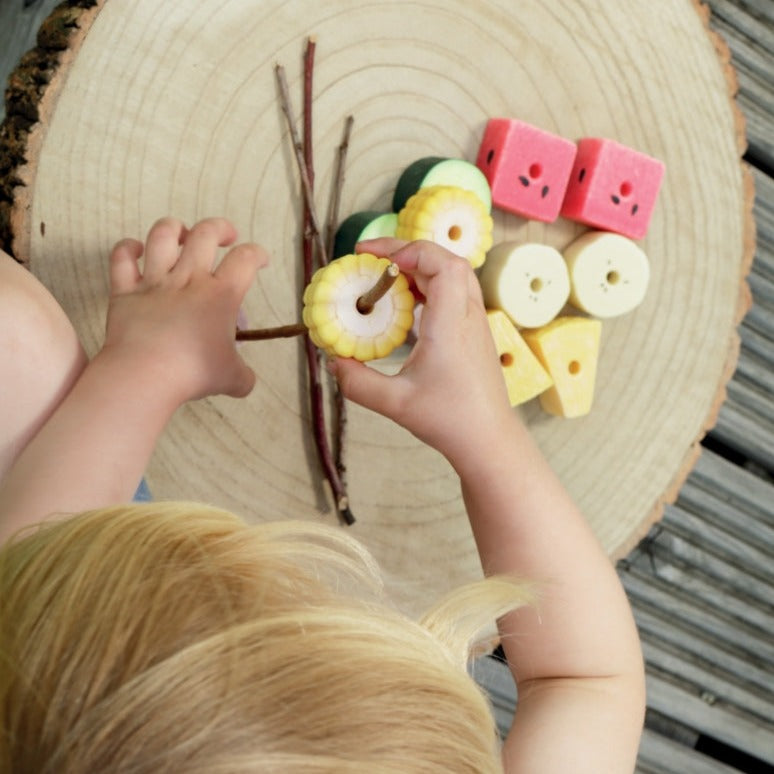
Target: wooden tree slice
163, 108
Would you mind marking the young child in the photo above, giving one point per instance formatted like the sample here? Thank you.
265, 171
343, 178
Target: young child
173, 637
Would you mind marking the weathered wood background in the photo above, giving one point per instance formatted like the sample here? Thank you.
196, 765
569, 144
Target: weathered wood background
702, 582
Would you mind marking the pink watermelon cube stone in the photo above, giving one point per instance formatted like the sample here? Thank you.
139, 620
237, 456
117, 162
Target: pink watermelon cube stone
527, 168
613, 187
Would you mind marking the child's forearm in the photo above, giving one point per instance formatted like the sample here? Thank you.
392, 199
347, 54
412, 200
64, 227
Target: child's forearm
525, 524
575, 654
93, 450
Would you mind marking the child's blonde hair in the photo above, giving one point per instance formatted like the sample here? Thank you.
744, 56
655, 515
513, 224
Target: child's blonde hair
174, 637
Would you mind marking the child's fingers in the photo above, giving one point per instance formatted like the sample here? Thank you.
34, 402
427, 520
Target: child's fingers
124, 271
239, 265
201, 245
383, 247
162, 248
446, 281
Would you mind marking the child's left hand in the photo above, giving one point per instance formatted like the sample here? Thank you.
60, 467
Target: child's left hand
177, 313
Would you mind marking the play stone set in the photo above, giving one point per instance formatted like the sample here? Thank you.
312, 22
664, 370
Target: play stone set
526, 287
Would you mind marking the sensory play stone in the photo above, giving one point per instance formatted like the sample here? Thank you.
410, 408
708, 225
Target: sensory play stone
609, 273
524, 376
529, 282
437, 170
335, 322
454, 218
527, 168
369, 224
568, 348
613, 187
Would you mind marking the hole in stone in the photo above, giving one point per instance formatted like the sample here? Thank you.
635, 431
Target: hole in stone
574, 367
535, 170
455, 233
536, 285
506, 360
612, 277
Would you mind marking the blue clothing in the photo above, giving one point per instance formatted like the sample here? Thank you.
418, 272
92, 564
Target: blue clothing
143, 494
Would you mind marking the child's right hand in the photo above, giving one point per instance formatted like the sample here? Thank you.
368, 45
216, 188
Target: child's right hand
450, 392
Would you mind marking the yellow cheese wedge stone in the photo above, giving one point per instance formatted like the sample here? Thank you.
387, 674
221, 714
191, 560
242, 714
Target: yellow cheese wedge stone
524, 376
568, 348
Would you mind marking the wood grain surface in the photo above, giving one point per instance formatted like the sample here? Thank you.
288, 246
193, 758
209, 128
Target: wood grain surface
172, 108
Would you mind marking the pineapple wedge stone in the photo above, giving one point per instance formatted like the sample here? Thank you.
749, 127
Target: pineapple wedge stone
568, 348
524, 376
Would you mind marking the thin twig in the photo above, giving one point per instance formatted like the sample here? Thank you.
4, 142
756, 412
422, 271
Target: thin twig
338, 184
339, 402
306, 184
312, 236
340, 433
366, 303
311, 224
263, 334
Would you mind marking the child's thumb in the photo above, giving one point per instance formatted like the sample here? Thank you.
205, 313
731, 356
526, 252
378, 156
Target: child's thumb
242, 380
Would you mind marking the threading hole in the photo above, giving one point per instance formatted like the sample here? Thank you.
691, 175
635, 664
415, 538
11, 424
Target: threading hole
455, 233
536, 285
506, 360
574, 368
626, 188
613, 277
535, 170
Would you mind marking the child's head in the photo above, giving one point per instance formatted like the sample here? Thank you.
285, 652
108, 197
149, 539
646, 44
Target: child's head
173, 637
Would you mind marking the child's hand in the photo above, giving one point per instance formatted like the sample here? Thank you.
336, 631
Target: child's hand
177, 315
450, 390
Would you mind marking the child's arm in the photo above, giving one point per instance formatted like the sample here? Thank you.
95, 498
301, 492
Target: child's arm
169, 339
41, 358
576, 655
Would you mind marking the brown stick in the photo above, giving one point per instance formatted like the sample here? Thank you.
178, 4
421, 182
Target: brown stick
339, 402
338, 184
306, 183
312, 236
311, 224
263, 334
366, 303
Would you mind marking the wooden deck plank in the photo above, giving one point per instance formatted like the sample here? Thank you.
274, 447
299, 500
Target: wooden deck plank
700, 630
719, 685
732, 484
494, 676
735, 21
723, 541
709, 511
757, 345
761, 10
746, 432
667, 693
749, 33
660, 755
